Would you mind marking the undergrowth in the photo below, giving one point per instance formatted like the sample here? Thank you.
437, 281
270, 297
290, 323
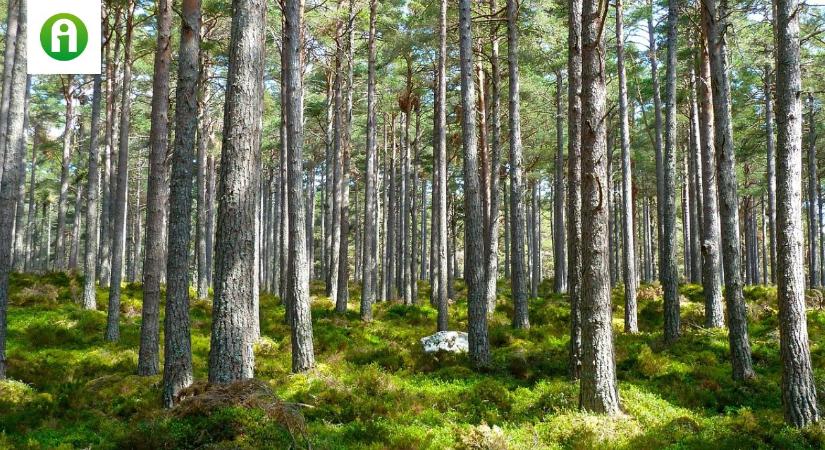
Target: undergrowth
374, 388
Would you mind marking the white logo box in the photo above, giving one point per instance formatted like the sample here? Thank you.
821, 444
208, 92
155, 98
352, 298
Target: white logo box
39, 62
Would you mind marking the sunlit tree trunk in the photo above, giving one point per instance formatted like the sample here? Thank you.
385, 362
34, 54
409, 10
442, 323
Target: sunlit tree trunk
370, 277
715, 21
574, 199
231, 357
631, 324
798, 387
303, 356
89, 300
517, 212
120, 197
598, 372
479, 344
13, 148
156, 195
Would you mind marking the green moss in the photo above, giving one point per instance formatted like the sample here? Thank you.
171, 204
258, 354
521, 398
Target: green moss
374, 388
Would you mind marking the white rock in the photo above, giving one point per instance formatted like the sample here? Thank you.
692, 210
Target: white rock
446, 341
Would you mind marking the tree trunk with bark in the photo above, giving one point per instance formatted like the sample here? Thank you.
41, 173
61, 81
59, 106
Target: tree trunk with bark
599, 392
798, 387
574, 199
714, 20
517, 210
479, 347
303, 356
120, 198
631, 324
89, 300
667, 268
156, 196
231, 357
13, 149
370, 277
177, 360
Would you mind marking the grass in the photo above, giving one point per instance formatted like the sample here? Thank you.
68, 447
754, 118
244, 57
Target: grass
375, 389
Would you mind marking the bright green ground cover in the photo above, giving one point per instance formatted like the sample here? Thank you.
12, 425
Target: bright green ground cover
375, 389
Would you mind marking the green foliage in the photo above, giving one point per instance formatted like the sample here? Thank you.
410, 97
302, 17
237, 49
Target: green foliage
374, 388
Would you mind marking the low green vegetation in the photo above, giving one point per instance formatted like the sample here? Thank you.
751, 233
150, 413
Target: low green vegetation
374, 388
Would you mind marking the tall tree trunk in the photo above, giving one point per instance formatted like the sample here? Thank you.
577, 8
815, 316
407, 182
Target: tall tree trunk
302, 350
342, 296
13, 148
711, 239
204, 142
18, 250
657, 108
177, 360
92, 214
517, 212
63, 197
535, 252
473, 233
798, 388
714, 22
667, 268
8, 65
440, 200
598, 373
107, 188
813, 199
574, 199
370, 277
631, 324
156, 196
559, 246
77, 223
695, 183
31, 223
231, 357
495, 165
120, 199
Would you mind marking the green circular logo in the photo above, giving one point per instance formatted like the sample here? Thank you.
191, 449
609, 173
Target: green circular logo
64, 37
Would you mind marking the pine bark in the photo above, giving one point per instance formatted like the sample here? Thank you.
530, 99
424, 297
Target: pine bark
13, 148
156, 195
517, 208
495, 165
599, 392
559, 245
798, 387
177, 360
574, 199
63, 196
814, 212
711, 238
231, 357
667, 268
89, 300
631, 324
440, 201
479, 344
8, 66
370, 277
120, 198
714, 20
302, 349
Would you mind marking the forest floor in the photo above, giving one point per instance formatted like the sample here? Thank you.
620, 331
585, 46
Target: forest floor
374, 388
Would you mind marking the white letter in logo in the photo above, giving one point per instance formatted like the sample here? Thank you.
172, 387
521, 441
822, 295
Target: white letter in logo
64, 28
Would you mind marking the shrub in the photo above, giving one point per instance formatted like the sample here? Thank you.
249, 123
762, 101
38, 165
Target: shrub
36, 295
